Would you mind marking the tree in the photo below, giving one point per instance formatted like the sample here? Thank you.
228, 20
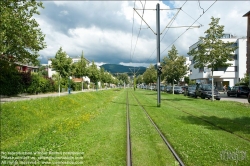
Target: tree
79, 69
212, 52
103, 75
186, 79
20, 36
150, 75
62, 63
123, 77
173, 66
245, 80
11, 80
139, 79
93, 73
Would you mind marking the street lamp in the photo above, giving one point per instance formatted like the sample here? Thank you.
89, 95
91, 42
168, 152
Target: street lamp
69, 84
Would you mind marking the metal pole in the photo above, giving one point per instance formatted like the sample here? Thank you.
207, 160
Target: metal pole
249, 78
59, 89
158, 53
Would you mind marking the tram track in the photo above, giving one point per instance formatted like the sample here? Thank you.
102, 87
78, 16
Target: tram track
208, 122
129, 145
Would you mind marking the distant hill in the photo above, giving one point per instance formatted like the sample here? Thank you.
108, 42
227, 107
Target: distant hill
114, 69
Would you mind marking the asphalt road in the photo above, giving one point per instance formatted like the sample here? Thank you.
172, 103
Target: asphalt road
242, 99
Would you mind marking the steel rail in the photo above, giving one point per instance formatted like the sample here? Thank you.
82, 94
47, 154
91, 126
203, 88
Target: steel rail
162, 136
129, 154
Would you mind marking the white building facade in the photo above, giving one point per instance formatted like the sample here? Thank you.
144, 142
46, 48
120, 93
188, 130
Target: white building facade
225, 75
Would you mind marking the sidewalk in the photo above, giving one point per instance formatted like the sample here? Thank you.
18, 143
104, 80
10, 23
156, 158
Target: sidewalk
20, 97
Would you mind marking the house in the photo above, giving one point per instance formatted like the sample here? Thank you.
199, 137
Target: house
225, 75
21, 67
248, 42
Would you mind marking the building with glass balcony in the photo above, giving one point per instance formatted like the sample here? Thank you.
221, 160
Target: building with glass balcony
225, 75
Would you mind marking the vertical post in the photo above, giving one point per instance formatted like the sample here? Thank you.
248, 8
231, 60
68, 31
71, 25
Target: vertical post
158, 53
212, 85
249, 79
59, 84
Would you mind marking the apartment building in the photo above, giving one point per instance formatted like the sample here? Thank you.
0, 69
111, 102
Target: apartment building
225, 75
248, 42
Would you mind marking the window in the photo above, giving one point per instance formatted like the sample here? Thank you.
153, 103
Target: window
220, 69
235, 57
234, 45
235, 68
201, 69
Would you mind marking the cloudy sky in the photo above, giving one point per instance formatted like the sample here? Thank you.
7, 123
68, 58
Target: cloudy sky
112, 32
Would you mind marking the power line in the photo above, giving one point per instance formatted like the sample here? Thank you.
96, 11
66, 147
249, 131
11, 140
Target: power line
170, 23
189, 26
139, 29
132, 35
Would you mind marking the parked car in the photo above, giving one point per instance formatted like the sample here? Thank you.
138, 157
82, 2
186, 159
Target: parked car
249, 98
162, 87
205, 91
238, 91
191, 91
177, 90
168, 88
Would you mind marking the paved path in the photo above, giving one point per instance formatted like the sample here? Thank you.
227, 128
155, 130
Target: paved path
28, 97
224, 97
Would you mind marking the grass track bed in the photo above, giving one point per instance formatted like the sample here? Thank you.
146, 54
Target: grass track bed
95, 123
197, 142
147, 145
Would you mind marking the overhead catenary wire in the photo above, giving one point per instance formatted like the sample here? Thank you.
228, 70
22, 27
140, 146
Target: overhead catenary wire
132, 35
169, 24
139, 29
189, 26
161, 38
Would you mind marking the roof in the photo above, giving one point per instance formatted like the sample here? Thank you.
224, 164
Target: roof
247, 14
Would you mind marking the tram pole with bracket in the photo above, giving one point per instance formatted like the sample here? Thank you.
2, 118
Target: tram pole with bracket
158, 53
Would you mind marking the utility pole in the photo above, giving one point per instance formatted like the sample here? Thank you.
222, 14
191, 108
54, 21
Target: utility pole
158, 33
134, 74
158, 54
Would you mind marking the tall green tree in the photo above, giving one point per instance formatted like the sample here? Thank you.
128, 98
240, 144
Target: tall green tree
212, 52
79, 69
62, 63
123, 77
93, 73
150, 75
103, 76
173, 66
139, 79
20, 35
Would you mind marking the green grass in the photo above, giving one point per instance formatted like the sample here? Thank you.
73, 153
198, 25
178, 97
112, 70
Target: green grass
148, 147
94, 125
196, 141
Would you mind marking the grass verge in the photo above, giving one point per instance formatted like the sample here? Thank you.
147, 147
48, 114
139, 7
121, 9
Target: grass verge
196, 141
84, 128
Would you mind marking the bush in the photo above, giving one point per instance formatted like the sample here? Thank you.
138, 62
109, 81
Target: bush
40, 84
77, 86
10, 79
